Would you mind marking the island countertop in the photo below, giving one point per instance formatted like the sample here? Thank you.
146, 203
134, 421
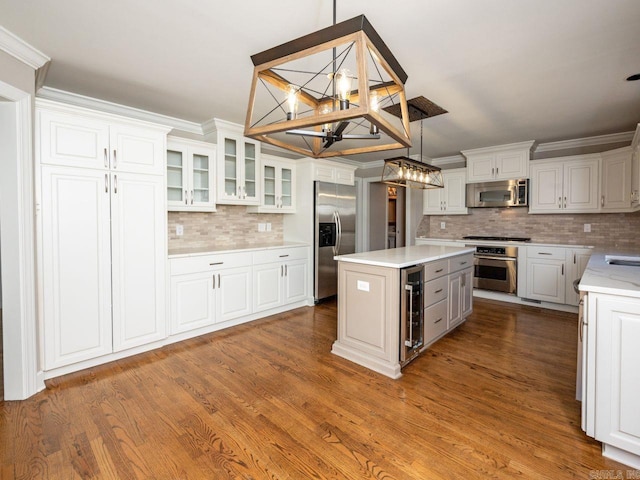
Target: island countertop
601, 277
404, 256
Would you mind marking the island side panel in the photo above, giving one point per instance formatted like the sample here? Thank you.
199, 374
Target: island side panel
368, 317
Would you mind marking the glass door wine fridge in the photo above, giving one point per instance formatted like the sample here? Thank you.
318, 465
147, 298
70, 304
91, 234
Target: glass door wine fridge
411, 313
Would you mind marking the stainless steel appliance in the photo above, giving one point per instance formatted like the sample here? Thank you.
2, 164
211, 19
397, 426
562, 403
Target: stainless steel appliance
335, 233
504, 193
411, 313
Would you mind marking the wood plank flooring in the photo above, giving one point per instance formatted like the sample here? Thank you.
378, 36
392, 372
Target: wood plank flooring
267, 400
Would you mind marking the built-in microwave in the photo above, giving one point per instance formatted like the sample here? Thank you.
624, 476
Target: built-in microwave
503, 193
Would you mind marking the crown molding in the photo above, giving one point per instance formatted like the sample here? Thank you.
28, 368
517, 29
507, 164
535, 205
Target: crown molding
78, 100
448, 160
18, 48
500, 148
585, 142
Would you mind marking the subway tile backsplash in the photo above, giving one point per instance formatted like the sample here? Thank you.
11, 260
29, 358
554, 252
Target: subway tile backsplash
620, 230
230, 226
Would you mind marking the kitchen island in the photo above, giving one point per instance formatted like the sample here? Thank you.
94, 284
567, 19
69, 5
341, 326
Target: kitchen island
394, 303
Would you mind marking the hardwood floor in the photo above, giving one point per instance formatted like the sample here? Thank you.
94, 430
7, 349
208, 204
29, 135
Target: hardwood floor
494, 399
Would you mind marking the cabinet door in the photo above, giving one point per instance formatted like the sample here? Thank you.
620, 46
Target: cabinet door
250, 185
455, 313
546, 188
617, 375
234, 293
466, 298
177, 177
295, 281
192, 301
270, 180
138, 226
616, 181
76, 265
576, 261
72, 140
137, 149
228, 169
581, 185
287, 187
481, 168
432, 201
546, 280
201, 181
512, 165
267, 286
455, 192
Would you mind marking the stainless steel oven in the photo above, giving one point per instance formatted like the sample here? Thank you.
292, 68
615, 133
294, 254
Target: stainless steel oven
496, 268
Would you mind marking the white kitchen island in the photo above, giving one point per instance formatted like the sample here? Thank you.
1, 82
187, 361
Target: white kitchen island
369, 301
610, 330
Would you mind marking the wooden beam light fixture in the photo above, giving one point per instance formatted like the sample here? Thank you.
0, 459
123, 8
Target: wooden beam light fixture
325, 94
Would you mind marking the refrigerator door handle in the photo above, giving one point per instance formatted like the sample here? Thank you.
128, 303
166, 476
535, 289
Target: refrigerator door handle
339, 239
334, 247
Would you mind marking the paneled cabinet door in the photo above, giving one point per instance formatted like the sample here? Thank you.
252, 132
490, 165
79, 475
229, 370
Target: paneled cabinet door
238, 170
193, 301
616, 180
581, 185
137, 149
76, 265
546, 280
546, 187
295, 278
234, 293
138, 225
278, 186
467, 292
455, 312
451, 199
268, 286
576, 261
190, 176
617, 375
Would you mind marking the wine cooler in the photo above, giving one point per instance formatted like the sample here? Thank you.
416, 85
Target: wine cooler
411, 313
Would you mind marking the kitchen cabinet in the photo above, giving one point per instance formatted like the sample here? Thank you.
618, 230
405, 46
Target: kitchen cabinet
209, 289
333, 172
75, 137
278, 186
460, 289
546, 279
279, 277
239, 171
102, 233
635, 170
576, 260
615, 183
503, 162
190, 175
565, 185
450, 200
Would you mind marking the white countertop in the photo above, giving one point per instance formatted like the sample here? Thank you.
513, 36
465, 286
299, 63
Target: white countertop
210, 249
404, 256
497, 242
600, 277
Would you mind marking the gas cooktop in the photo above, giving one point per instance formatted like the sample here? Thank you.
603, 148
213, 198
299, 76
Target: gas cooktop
497, 239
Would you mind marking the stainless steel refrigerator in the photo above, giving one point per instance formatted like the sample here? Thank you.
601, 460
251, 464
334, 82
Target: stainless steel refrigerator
335, 233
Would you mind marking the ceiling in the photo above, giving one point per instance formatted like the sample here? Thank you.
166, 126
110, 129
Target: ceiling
507, 71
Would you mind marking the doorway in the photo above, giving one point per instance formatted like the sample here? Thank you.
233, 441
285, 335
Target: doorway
387, 211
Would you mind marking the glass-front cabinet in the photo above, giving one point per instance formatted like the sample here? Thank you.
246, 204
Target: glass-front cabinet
278, 186
190, 175
239, 167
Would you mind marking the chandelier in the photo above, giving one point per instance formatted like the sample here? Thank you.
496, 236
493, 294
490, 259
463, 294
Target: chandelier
326, 94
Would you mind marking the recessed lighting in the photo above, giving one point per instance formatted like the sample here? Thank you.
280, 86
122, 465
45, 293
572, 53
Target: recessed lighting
633, 77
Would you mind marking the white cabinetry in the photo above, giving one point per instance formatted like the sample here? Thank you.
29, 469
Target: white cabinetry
616, 180
460, 289
279, 277
332, 172
102, 233
546, 274
190, 175
503, 162
450, 200
576, 260
635, 169
611, 375
278, 186
238, 178
565, 185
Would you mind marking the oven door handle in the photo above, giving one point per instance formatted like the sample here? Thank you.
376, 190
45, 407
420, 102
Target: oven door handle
502, 259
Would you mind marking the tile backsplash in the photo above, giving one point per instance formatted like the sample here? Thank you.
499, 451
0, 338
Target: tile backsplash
607, 229
230, 226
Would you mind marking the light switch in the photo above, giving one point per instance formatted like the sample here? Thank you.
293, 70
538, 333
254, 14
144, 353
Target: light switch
179, 230
587, 227
268, 227
443, 225
362, 285
262, 227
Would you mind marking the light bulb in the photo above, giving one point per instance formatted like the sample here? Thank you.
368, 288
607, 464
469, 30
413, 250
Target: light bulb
292, 101
415, 175
374, 105
343, 87
326, 109
421, 177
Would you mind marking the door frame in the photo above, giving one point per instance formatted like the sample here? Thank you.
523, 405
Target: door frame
17, 226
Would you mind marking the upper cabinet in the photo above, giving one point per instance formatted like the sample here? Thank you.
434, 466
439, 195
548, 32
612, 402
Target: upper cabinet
190, 175
278, 186
75, 137
635, 170
503, 162
565, 185
450, 200
239, 171
615, 182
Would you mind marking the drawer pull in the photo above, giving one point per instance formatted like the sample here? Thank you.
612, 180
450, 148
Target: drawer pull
463, 263
216, 263
544, 253
438, 291
282, 256
438, 320
439, 270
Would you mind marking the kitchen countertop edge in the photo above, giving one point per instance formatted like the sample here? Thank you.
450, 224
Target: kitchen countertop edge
404, 256
201, 251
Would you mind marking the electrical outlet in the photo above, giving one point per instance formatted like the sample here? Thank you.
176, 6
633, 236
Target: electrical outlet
179, 230
268, 227
587, 227
262, 227
443, 225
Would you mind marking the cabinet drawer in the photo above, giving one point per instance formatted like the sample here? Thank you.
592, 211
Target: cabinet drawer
436, 269
279, 255
179, 266
435, 320
435, 290
460, 262
549, 253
